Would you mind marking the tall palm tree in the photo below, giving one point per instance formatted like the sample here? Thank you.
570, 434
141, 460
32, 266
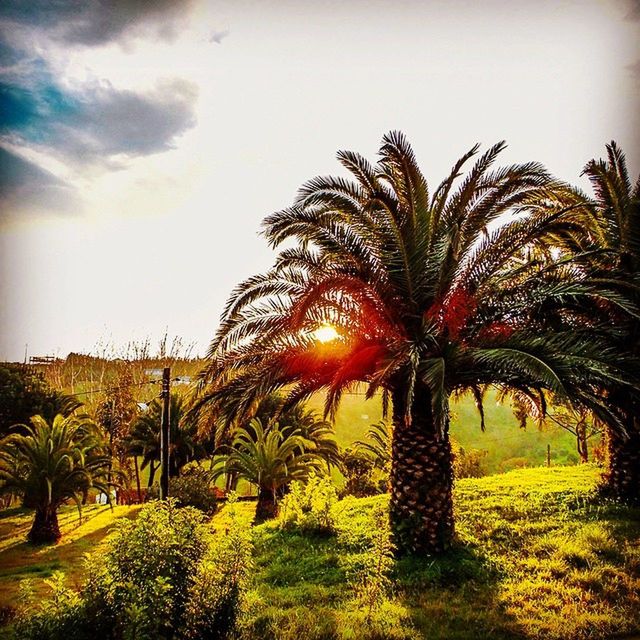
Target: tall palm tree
271, 459
429, 295
144, 438
52, 463
616, 209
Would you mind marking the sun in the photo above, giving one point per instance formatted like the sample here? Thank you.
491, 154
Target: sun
325, 333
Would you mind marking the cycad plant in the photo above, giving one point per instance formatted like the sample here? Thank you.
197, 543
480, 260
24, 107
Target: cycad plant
271, 459
52, 462
429, 293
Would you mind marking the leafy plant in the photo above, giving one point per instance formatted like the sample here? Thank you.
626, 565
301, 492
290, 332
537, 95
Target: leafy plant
218, 591
193, 488
51, 463
271, 459
309, 506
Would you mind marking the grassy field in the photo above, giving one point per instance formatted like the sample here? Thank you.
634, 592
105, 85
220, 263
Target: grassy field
20, 560
539, 555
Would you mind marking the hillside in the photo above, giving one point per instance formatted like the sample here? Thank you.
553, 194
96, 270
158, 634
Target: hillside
538, 555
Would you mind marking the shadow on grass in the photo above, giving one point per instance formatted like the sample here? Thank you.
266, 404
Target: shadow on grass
454, 596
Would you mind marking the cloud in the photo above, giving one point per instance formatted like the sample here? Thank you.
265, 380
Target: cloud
98, 22
633, 12
26, 190
94, 122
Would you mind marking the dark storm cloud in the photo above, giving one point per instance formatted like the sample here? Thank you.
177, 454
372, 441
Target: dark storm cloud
109, 122
97, 22
98, 122
26, 189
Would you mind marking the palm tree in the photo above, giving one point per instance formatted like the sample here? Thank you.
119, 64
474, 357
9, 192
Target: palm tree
144, 438
429, 295
616, 209
52, 463
271, 459
376, 445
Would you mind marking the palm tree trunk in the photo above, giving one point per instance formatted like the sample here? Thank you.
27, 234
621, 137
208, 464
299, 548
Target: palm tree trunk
581, 437
421, 504
266, 507
622, 479
152, 474
45, 527
135, 464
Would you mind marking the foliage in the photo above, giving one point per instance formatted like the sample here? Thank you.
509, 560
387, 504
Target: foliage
51, 463
467, 463
192, 488
25, 393
218, 592
372, 581
116, 412
144, 437
361, 476
426, 303
309, 506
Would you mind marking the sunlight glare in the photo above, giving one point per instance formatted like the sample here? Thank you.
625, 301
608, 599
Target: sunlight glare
326, 333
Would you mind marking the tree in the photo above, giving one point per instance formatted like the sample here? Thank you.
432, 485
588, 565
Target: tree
25, 393
144, 438
615, 257
53, 462
271, 459
430, 293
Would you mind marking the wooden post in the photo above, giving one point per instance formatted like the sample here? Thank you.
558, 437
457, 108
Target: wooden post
548, 455
164, 434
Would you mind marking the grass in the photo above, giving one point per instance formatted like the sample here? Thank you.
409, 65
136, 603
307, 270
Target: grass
20, 560
538, 555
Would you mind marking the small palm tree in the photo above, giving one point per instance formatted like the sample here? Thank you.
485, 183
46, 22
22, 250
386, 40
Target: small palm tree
271, 459
52, 462
144, 438
376, 445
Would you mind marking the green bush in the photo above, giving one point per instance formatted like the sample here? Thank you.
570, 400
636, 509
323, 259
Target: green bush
309, 507
217, 593
193, 489
468, 463
139, 588
362, 476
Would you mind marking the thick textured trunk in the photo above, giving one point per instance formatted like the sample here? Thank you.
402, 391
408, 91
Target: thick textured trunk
421, 505
267, 507
45, 527
622, 479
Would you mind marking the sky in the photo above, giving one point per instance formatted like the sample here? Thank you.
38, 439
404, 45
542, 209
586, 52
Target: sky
142, 143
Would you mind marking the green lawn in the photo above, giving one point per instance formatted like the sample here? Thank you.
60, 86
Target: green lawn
20, 560
538, 555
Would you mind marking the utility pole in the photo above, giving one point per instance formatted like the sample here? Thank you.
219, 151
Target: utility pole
164, 434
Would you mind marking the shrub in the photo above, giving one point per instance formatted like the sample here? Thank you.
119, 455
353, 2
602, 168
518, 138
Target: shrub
362, 476
217, 594
193, 489
468, 463
309, 507
138, 588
